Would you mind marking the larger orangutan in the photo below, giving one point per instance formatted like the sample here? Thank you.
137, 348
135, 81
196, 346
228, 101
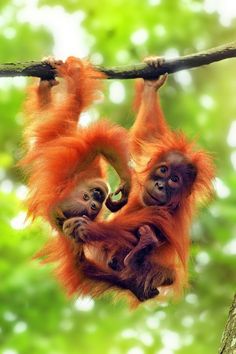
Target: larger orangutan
171, 176
65, 161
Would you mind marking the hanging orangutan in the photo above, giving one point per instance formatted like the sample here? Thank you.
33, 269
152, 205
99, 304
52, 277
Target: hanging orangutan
65, 161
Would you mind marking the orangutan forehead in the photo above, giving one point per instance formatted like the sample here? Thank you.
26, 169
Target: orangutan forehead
174, 158
94, 183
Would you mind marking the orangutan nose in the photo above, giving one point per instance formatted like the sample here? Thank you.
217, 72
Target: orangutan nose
160, 185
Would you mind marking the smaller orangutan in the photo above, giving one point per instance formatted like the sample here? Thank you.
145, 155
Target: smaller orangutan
175, 180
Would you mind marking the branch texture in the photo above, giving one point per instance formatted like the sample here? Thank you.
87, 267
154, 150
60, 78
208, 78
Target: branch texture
46, 72
228, 342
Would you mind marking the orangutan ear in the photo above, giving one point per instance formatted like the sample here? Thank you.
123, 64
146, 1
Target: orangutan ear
191, 177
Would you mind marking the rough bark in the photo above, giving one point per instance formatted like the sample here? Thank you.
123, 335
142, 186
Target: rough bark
45, 71
228, 342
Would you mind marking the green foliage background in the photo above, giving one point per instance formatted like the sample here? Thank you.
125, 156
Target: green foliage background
35, 315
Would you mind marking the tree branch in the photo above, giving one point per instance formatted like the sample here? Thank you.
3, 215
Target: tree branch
228, 342
46, 72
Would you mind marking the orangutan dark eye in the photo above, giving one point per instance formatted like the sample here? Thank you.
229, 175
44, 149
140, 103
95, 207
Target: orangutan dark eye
98, 195
163, 169
85, 196
174, 179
